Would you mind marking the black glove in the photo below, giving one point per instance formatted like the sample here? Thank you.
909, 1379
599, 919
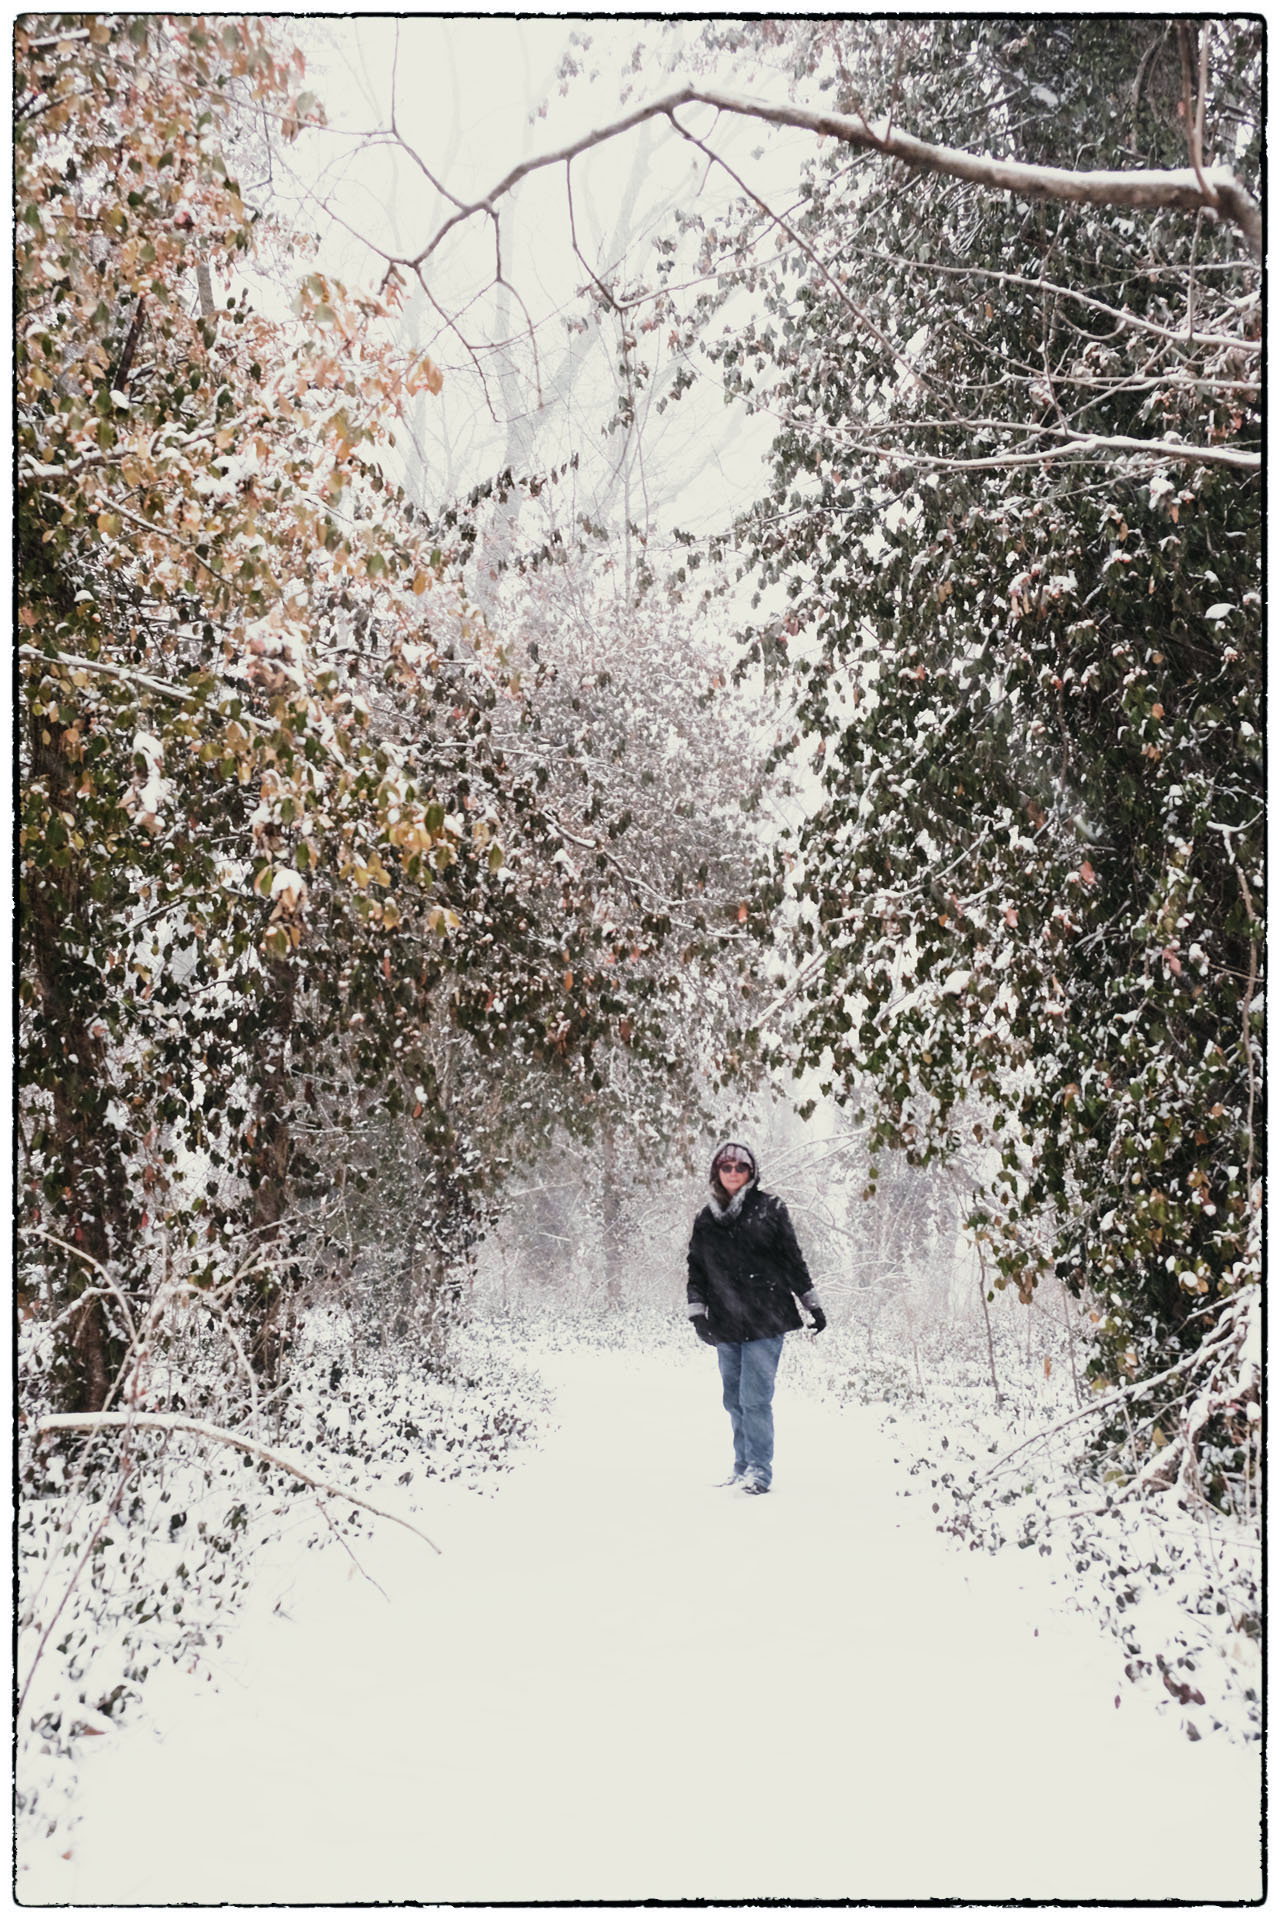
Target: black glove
819, 1319
702, 1330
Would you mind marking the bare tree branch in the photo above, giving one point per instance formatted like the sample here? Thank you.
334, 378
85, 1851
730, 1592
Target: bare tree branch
1180, 338
1083, 446
1192, 103
1190, 188
77, 663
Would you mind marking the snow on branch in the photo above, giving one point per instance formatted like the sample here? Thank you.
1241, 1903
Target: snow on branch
1194, 189
1215, 188
1232, 1343
221, 1436
1083, 446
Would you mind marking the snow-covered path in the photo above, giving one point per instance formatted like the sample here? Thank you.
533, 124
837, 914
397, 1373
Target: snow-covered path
621, 1682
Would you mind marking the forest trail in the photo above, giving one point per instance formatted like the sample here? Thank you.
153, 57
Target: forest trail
621, 1682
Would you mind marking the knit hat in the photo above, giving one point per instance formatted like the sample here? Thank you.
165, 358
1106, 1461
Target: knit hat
737, 1147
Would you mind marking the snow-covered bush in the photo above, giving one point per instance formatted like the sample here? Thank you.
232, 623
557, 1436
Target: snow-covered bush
136, 1547
1174, 1576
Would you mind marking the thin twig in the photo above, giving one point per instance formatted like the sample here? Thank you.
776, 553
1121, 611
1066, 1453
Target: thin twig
863, 320
345, 1544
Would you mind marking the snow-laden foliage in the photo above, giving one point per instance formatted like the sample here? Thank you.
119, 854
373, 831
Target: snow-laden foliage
1013, 1469
1008, 570
138, 1549
336, 907
313, 951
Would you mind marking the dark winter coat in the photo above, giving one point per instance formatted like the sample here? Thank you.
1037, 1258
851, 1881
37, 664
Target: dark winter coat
746, 1269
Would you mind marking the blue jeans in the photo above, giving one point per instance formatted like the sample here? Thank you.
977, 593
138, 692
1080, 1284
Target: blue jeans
748, 1371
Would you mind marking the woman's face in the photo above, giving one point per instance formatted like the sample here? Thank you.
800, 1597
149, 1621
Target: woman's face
733, 1173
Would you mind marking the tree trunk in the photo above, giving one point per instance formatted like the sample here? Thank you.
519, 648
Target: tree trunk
610, 1218
270, 1299
92, 1207
991, 1347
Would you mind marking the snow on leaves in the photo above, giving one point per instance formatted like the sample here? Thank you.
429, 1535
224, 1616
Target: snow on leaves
1032, 694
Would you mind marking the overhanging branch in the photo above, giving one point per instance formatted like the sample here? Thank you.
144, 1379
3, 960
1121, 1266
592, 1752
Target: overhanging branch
1194, 190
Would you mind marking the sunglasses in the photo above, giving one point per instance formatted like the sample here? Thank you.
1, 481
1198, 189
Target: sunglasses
733, 1166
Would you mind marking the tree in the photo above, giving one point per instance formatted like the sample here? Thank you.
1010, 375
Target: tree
1189, 96
279, 849
1027, 894
641, 768
197, 523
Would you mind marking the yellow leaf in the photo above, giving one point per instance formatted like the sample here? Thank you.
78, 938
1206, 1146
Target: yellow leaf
568, 982
419, 581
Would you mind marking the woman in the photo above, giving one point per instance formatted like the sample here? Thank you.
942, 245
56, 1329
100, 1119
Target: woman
746, 1272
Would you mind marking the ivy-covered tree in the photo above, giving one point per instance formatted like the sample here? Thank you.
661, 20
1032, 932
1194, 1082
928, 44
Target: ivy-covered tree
195, 504
284, 849
1009, 564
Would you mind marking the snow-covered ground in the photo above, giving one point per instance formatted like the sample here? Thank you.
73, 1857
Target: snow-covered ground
621, 1682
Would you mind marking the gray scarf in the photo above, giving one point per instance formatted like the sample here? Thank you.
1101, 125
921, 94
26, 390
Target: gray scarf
734, 1207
